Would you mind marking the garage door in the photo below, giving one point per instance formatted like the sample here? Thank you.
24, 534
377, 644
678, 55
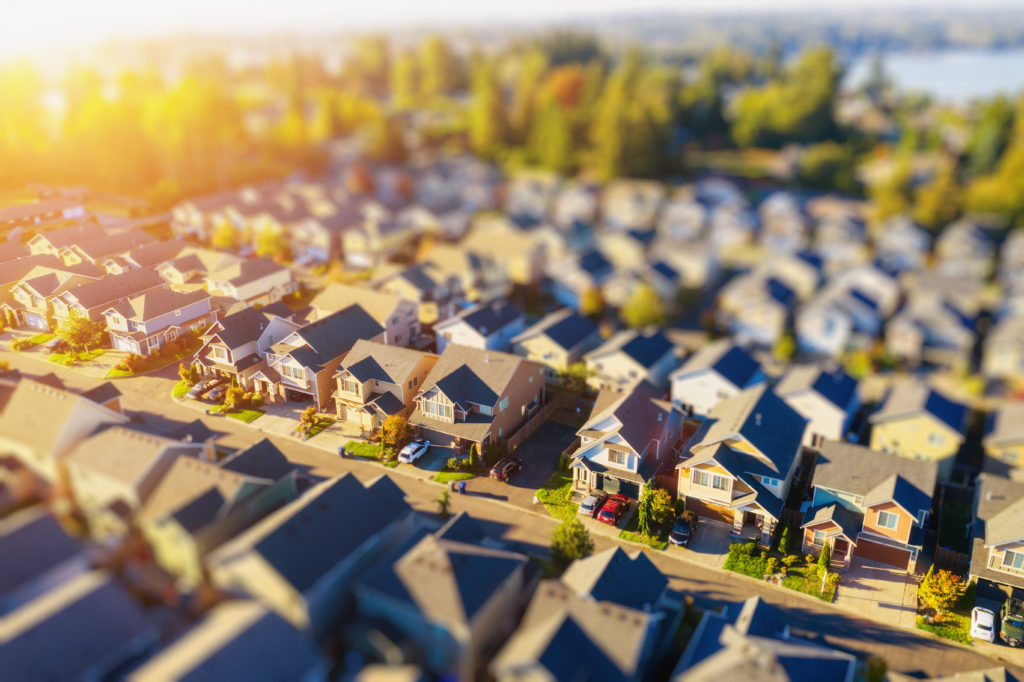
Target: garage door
883, 554
436, 437
709, 511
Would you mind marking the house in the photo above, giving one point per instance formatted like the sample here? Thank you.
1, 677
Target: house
454, 594
42, 556
376, 381
489, 326
822, 330
399, 316
1004, 440
751, 640
92, 299
115, 469
300, 561
189, 267
377, 238
919, 422
717, 371
301, 366
628, 357
45, 210
530, 194
784, 225
740, 462
235, 346
98, 250
755, 309
242, 637
316, 238
631, 204
731, 225
558, 340
575, 202
146, 323
255, 281
800, 272
902, 245
480, 397
628, 437
98, 623
40, 424
827, 397
480, 272
518, 254
1011, 262
965, 248
841, 242
198, 505
573, 278
694, 263
609, 617
31, 299
436, 292
55, 241
1003, 350
997, 537
937, 332
683, 218
868, 505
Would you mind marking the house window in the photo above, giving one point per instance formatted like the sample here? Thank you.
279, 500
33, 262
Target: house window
503, 404
349, 385
437, 409
220, 353
294, 372
936, 439
1014, 560
888, 520
818, 539
773, 482
486, 409
709, 480
616, 457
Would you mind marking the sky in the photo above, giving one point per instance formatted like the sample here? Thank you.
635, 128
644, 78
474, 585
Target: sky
28, 26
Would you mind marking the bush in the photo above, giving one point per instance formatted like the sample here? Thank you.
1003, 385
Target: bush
743, 548
4, 367
570, 541
825, 559
810, 559
21, 344
772, 565
257, 400
791, 560
171, 348
784, 539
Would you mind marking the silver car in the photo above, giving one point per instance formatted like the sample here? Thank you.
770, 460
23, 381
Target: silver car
592, 504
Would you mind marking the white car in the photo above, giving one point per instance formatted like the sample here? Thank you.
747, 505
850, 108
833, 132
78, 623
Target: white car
983, 624
413, 451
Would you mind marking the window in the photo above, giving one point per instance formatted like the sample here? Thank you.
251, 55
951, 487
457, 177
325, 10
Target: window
437, 409
1014, 560
220, 353
818, 539
709, 480
486, 409
888, 520
349, 385
294, 372
936, 439
616, 457
503, 404
774, 482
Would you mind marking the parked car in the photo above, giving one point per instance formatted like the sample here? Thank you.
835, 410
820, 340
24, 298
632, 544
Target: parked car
683, 529
613, 509
506, 466
1011, 628
983, 624
413, 451
592, 504
197, 391
216, 395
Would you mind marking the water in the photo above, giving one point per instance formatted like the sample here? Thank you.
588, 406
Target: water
951, 75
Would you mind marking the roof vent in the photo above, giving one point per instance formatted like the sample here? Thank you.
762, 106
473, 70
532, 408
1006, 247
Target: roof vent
757, 418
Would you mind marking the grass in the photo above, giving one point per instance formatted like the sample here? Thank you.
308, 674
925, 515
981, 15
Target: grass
955, 626
805, 579
180, 389
555, 494
318, 427
632, 533
246, 414
148, 363
446, 476
40, 339
81, 356
366, 450
745, 558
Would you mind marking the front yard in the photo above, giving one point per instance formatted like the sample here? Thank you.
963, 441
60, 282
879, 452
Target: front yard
633, 534
745, 558
555, 494
318, 427
40, 339
71, 358
245, 414
955, 625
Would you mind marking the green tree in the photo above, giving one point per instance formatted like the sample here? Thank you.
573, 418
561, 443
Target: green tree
234, 399
224, 236
189, 373
444, 503
273, 243
80, 332
892, 195
785, 347
570, 541
404, 81
394, 432
551, 138
990, 136
592, 302
941, 590
644, 513
940, 201
655, 510
828, 166
308, 419
825, 558
439, 68
573, 379
784, 539
644, 308
487, 127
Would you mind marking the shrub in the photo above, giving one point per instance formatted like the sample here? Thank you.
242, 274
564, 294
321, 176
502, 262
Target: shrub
171, 348
473, 456
791, 560
783, 571
452, 464
570, 541
234, 399
784, 539
21, 344
743, 548
825, 559
772, 565
4, 367
810, 559
256, 400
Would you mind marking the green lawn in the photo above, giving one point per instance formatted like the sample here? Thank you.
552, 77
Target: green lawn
446, 476
365, 450
633, 534
955, 626
318, 427
150, 363
180, 389
555, 494
747, 562
747, 559
247, 415
805, 579
40, 339
83, 356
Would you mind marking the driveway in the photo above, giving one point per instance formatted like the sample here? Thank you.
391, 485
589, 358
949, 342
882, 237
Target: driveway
708, 546
879, 592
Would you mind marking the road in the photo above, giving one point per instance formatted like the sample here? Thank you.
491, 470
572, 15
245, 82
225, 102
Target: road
906, 651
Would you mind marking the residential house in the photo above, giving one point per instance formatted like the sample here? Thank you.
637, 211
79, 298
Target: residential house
45, 210
628, 437
575, 202
146, 323
609, 617
454, 594
530, 194
965, 249
41, 556
199, 505
242, 637
475, 396
694, 262
841, 242
731, 225
717, 371
938, 323
188, 268
98, 250
518, 254
826, 396
868, 505
147, 256
40, 424
99, 625
628, 357
1011, 262
54, 242
1003, 350
755, 309
300, 561
917, 421
399, 316
235, 346
436, 292
558, 340
377, 238
30, 303
376, 381
480, 276
631, 204
112, 471
301, 366
683, 218
740, 462
489, 326
800, 272
997, 537
902, 245
784, 225
92, 299
254, 281
752, 641
317, 237
1004, 441
625, 249
573, 278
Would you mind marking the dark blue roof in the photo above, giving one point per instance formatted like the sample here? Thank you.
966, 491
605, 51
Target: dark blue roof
633, 583
780, 292
489, 318
665, 270
523, 220
952, 414
836, 386
333, 335
571, 330
737, 365
648, 349
811, 258
261, 460
594, 263
642, 236
861, 297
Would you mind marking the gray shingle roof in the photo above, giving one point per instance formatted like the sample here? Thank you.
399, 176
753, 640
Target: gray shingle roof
487, 318
565, 327
727, 359
372, 360
158, 302
912, 398
877, 476
1006, 425
999, 519
114, 287
849, 522
335, 334
612, 576
33, 542
261, 459
472, 375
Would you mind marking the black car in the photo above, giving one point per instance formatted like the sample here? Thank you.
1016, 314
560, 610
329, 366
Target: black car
683, 529
503, 470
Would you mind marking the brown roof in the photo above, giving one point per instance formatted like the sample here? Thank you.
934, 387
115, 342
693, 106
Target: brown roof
36, 414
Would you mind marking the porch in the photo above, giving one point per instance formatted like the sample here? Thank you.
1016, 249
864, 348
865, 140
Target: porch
841, 549
753, 524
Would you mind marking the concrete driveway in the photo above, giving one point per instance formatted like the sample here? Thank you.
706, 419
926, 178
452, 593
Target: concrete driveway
879, 592
540, 453
708, 546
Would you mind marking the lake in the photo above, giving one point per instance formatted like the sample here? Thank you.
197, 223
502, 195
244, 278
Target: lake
954, 74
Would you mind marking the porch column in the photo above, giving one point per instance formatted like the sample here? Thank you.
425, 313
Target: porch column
767, 528
737, 520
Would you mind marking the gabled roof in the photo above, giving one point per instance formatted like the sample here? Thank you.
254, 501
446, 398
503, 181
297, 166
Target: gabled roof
34, 543
565, 328
108, 245
612, 576
912, 398
120, 452
849, 522
379, 304
371, 360
730, 361
245, 270
260, 460
639, 411
472, 375
486, 318
833, 384
115, 287
188, 480
333, 335
102, 393
78, 233
243, 327
152, 254
876, 476
1005, 425
156, 303
646, 348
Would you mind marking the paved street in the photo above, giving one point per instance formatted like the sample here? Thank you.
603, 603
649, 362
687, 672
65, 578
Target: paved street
507, 512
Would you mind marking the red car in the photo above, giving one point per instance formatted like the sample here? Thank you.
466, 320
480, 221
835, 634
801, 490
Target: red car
613, 509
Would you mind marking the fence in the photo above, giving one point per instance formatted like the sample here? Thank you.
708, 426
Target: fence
947, 559
531, 425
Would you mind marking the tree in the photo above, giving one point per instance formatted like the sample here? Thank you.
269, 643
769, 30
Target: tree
941, 590
474, 456
444, 503
644, 308
439, 68
656, 510
892, 195
570, 541
828, 166
189, 373
487, 126
385, 141
825, 558
551, 138
224, 236
273, 243
308, 419
80, 332
991, 136
644, 513
785, 347
404, 81
940, 201
394, 432
234, 399
784, 539
573, 379
592, 302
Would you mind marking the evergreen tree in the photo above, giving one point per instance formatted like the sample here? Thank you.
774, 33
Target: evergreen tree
551, 138
825, 558
487, 128
570, 541
939, 202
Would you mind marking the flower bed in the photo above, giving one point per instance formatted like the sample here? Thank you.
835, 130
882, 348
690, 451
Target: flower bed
745, 558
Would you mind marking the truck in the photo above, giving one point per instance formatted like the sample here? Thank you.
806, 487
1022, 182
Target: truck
1011, 628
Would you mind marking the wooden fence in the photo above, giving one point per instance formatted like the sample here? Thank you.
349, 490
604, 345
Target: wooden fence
947, 559
532, 424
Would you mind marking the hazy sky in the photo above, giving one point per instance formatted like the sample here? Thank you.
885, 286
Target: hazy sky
34, 24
